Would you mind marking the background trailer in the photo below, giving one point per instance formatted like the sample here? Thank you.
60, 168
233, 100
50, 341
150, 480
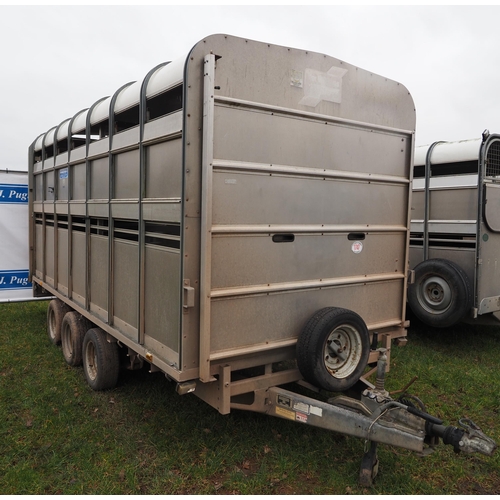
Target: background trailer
239, 219
455, 231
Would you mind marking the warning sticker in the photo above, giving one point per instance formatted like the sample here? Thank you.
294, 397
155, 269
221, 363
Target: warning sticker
282, 412
357, 247
300, 417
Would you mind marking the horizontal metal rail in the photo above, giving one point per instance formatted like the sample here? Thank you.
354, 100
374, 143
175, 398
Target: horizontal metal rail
445, 226
303, 285
229, 101
28, 299
283, 344
304, 228
298, 171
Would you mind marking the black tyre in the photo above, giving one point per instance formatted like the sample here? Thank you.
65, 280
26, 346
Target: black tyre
101, 361
55, 314
441, 294
333, 349
73, 330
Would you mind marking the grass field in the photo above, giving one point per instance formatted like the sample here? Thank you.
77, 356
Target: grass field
57, 436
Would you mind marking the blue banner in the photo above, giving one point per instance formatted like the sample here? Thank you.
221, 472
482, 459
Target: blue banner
14, 280
13, 193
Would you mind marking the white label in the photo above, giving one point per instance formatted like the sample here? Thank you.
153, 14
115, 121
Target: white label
229, 181
357, 247
303, 407
314, 410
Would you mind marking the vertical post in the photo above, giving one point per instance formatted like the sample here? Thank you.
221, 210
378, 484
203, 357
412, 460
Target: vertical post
427, 200
31, 196
481, 173
206, 215
141, 311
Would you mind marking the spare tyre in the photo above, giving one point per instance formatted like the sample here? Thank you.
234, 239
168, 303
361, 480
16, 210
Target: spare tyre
333, 349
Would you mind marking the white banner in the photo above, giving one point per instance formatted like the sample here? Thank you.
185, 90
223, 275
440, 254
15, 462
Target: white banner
14, 240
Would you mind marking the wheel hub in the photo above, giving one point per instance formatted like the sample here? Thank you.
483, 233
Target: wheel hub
435, 294
342, 351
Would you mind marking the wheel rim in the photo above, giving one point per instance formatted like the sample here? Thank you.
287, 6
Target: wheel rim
66, 340
342, 352
52, 324
434, 295
91, 361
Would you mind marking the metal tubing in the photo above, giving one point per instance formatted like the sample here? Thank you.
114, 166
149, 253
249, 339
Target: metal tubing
206, 216
428, 174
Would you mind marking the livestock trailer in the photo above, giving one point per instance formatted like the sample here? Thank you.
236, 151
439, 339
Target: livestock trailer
238, 219
455, 231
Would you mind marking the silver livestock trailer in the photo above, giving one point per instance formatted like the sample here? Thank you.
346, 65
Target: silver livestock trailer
455, 231
239, 220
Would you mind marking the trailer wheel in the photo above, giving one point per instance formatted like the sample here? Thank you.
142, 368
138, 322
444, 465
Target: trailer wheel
441, 294
73, 330
55, 314
333, 349
101, 361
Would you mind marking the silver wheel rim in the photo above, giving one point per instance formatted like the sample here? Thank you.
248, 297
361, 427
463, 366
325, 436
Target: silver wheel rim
434, 295
52, 324
66, 340
91, 361
343, 351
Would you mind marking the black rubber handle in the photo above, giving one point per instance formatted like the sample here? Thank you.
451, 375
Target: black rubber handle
425, 416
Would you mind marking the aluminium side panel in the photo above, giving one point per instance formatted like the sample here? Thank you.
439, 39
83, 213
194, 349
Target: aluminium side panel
106, 234
453, 203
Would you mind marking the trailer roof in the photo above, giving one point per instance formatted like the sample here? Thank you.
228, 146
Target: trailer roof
160, 79
449, 152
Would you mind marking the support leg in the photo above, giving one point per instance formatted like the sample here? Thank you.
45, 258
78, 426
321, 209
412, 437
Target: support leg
369, 466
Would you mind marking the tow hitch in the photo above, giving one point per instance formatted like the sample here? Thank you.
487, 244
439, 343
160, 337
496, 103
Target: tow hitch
377, 418
468, 439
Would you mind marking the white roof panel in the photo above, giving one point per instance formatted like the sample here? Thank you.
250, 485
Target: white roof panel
39, 143
101, 111
49, 137
166, 77
80, 122
128, 97
62, 133
449, 152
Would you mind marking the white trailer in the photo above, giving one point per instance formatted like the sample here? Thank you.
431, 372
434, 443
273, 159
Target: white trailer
455, 232
239, 219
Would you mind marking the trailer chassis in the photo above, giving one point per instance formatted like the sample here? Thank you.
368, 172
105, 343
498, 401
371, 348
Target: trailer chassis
369, 413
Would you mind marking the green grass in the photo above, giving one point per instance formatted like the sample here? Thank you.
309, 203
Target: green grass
57, 436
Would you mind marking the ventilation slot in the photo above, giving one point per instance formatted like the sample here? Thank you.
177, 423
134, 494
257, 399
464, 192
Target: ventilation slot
283, 238
165, 235
99, 226
78, 224
126, 230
